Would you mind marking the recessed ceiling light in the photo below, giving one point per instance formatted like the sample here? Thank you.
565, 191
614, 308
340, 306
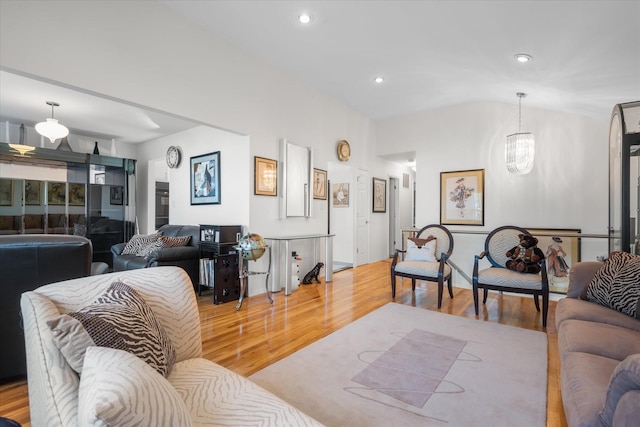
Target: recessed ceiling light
523, 57
378, 79
305, 17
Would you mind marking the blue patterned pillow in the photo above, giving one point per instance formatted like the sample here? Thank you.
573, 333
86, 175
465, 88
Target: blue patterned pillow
121, 319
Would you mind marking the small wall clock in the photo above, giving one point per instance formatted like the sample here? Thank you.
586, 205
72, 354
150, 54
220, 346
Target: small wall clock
344, 150
173, 157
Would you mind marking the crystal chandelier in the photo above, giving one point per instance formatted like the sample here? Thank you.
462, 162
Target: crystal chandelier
51, 128
520, 147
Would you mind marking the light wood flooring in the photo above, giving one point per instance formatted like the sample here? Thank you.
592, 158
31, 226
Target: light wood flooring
260, 334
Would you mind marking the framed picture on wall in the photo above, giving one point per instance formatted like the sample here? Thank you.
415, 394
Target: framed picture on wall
462, 197
76, 194
6, 192
341, 195
116, 194
32, 192
379, 195
205, 179
561, 250
56, 193
319, 184
266, 177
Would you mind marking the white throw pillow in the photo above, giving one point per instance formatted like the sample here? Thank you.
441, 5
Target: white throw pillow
424, 253
120, 389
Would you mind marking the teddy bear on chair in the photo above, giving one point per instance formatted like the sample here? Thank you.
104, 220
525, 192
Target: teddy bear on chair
526, 257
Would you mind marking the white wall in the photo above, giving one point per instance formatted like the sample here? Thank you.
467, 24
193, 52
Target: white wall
568, 187
142, 53
159, 59
235, 176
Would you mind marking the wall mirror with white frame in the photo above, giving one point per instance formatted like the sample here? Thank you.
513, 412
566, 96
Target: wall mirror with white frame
296, 180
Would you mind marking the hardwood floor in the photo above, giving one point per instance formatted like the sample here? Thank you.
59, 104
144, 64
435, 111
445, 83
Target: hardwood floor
260, 334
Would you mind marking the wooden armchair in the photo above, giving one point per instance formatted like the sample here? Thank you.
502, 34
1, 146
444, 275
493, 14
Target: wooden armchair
498, 278
425, 259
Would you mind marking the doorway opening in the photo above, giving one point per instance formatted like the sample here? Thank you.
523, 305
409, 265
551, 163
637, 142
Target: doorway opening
162, 204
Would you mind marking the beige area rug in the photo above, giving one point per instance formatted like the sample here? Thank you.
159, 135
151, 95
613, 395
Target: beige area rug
406, 366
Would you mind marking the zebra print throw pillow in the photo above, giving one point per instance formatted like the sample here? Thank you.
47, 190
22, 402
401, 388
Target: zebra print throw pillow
167, 242
119, 389
121, 319
617, 284
140, 243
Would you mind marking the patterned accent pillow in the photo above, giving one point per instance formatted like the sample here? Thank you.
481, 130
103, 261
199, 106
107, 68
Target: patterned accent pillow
617, 284
172, 242
421, 249
139, 244
79, 230
119, 389
120, 318
166, 242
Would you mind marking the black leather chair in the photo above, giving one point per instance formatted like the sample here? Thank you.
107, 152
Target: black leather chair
186, 257
28, 261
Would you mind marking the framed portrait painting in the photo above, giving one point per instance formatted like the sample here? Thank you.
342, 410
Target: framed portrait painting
379, 195
116, 194
76, 194
341, 195
319, 184
561, 250
56, 193
32, 192
266, 176
205, 179
462, 197
6, 192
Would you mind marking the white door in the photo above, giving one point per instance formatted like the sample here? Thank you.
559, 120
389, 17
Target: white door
362, 219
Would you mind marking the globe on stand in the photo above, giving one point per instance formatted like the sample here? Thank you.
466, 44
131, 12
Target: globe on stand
253, 246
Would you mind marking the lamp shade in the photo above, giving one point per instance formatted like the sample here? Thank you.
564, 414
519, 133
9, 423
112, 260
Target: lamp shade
52, 129
519, 152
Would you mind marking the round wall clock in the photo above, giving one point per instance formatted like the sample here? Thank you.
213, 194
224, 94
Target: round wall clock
344, 150
173, 157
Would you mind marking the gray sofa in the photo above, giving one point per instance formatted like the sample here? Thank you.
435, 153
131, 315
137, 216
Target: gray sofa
600, 358
186, 257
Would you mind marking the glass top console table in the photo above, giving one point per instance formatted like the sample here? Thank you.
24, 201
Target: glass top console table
281, 246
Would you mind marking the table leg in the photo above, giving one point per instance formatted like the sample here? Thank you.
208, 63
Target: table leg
266, 280
287, 270
328, 269
242, 275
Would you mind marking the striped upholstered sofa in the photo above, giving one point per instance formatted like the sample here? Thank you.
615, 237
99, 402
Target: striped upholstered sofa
117, 388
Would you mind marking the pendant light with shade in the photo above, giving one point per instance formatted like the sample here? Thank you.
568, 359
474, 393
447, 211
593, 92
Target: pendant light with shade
51, 128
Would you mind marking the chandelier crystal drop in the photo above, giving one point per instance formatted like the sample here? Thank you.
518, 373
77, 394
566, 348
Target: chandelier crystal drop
519, 150
51, 128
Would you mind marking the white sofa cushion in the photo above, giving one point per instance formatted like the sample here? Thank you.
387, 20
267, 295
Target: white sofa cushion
509, 278
118, 389
216, 395
420, 268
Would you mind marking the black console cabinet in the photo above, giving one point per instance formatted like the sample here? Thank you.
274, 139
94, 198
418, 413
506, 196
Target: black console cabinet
219, 263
